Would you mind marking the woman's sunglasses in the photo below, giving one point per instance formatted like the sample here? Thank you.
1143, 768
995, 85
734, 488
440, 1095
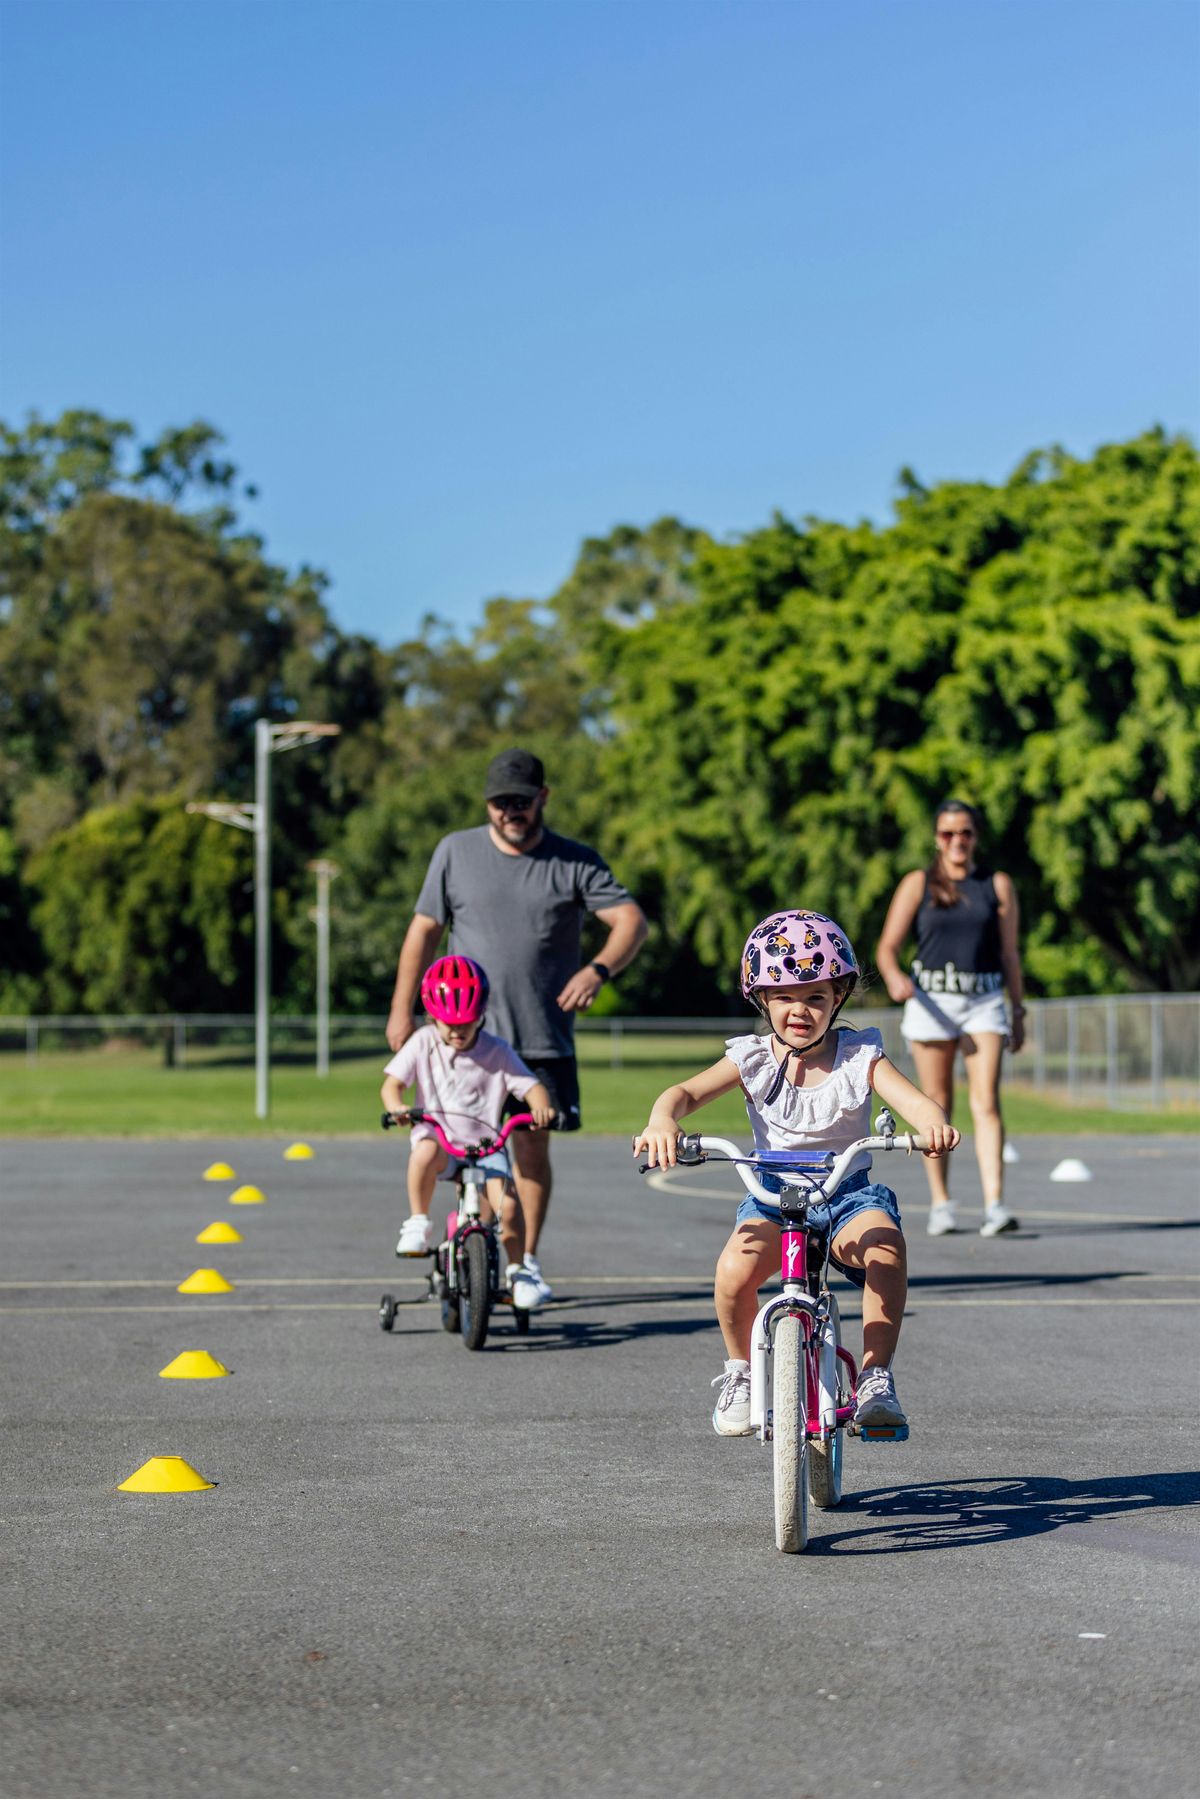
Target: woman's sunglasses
949, 836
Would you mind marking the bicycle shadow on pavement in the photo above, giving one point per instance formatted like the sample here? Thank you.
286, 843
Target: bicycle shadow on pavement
549, 1332
970, 1514
1011, 1278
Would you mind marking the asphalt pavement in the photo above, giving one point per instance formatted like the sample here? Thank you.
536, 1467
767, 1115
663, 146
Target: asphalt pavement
536, 1570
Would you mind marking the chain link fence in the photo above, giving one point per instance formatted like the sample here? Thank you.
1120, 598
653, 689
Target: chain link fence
1136, 1051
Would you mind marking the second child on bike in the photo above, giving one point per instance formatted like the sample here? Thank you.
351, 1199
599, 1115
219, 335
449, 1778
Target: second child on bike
466, 1076
806, 1085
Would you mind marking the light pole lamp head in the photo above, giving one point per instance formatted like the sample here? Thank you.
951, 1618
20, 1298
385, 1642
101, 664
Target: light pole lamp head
299, 732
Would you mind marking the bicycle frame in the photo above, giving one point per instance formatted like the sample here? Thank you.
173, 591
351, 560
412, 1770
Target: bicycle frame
805, 1294
451, 1257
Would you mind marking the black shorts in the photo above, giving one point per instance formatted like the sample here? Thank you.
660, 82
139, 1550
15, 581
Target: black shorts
559, 1075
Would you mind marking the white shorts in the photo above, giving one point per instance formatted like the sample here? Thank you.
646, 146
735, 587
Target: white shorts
943, 1017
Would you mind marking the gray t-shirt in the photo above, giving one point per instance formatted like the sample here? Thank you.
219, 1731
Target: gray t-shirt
521, 917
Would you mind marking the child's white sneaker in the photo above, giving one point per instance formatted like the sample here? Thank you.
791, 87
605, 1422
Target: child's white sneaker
414, 1237
731, 1414
526, 1293
877, 1411
533, 1269
943, 1220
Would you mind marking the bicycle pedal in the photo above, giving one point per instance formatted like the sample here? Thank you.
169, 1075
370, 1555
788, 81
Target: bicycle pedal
415, 1255
882, 1433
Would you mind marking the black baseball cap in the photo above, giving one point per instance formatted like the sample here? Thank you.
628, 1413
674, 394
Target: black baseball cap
514, 771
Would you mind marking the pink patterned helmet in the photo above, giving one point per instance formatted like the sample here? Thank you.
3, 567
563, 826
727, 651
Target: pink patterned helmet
789, 948
455, 989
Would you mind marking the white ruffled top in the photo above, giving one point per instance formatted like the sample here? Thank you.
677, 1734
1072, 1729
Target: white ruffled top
831, 1115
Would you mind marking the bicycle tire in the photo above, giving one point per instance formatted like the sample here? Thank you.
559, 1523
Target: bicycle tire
825, 1458
475, 1296
451, 1316
789, 1426
387, 1312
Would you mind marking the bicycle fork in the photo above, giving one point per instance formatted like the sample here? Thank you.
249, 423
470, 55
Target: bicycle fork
822, 1354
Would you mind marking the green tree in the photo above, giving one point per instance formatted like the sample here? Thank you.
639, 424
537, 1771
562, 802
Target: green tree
143, 908
1033, 647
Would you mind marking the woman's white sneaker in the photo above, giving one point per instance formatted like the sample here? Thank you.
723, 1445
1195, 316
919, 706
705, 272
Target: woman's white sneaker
731, 1414
943, 1220
995, 1220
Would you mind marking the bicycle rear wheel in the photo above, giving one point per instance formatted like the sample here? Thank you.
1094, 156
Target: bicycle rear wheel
790, 1435
475, 1296
825, 1455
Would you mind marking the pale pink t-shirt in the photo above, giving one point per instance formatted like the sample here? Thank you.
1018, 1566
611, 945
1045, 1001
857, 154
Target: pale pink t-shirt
466, 1088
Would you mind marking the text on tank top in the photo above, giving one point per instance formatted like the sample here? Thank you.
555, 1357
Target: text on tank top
958, 947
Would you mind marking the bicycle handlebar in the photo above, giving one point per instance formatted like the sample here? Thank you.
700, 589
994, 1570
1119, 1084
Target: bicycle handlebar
466, 1152
693, 1150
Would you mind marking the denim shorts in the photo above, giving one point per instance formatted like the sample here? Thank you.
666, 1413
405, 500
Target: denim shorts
496, 1164
857, 1193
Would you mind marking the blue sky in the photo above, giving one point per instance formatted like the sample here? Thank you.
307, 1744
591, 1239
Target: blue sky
464, 283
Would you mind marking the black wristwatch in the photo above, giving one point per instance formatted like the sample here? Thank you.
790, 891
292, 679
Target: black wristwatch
601, 970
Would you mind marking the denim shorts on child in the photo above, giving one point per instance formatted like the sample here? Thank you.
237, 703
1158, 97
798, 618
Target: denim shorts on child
494, 1165
857, 1193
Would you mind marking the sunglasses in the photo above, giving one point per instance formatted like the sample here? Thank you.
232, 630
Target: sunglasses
512, 802
949, 836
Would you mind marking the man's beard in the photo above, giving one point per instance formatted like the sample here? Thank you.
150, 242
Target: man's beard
521, 830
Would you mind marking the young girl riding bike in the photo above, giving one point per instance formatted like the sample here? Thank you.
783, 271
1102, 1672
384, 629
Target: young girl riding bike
808, 1086
465, 1075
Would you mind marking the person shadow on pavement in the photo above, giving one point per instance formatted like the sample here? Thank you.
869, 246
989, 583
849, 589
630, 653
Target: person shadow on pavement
969, 1514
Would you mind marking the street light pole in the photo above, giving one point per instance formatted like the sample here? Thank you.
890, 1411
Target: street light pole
262, 917
325, 872
269, 740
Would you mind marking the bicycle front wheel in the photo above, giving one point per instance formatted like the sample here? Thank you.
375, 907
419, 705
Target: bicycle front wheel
790, 1435
475, 1297
825, 1453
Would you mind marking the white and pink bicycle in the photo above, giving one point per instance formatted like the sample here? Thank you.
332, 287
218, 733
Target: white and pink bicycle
802, 1379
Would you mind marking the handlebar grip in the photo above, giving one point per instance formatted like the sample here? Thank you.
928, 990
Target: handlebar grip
387, 1122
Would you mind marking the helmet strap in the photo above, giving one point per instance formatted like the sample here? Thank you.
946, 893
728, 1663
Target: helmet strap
788, 1051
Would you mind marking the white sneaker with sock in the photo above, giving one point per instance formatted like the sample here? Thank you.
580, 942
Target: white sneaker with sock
526, 1294
414, 1237
731, 1414
544, 1289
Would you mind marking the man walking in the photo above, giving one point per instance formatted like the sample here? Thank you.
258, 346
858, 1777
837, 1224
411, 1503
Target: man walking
514, 894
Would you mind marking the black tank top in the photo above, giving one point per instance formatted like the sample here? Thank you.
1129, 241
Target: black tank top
958, 947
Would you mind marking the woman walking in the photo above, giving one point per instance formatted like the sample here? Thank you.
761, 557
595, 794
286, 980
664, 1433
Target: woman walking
966, 929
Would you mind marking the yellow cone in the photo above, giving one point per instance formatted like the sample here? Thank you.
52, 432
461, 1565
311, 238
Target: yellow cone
165, 1474
219, 1171
193, 1364
248, 1196
205, 1280
297, 1152
219, 1232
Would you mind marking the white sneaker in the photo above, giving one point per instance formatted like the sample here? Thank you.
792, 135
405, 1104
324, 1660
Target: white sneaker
544, 1289
731, 1414
877, 1408
414, 1236
526, 1295
943, 1220
995, 1220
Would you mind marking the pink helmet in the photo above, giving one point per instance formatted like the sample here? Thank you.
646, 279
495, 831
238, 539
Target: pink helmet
455, 989
788, 948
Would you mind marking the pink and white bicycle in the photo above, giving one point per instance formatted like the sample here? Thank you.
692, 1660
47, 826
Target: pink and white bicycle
466, 1274
802, 1380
